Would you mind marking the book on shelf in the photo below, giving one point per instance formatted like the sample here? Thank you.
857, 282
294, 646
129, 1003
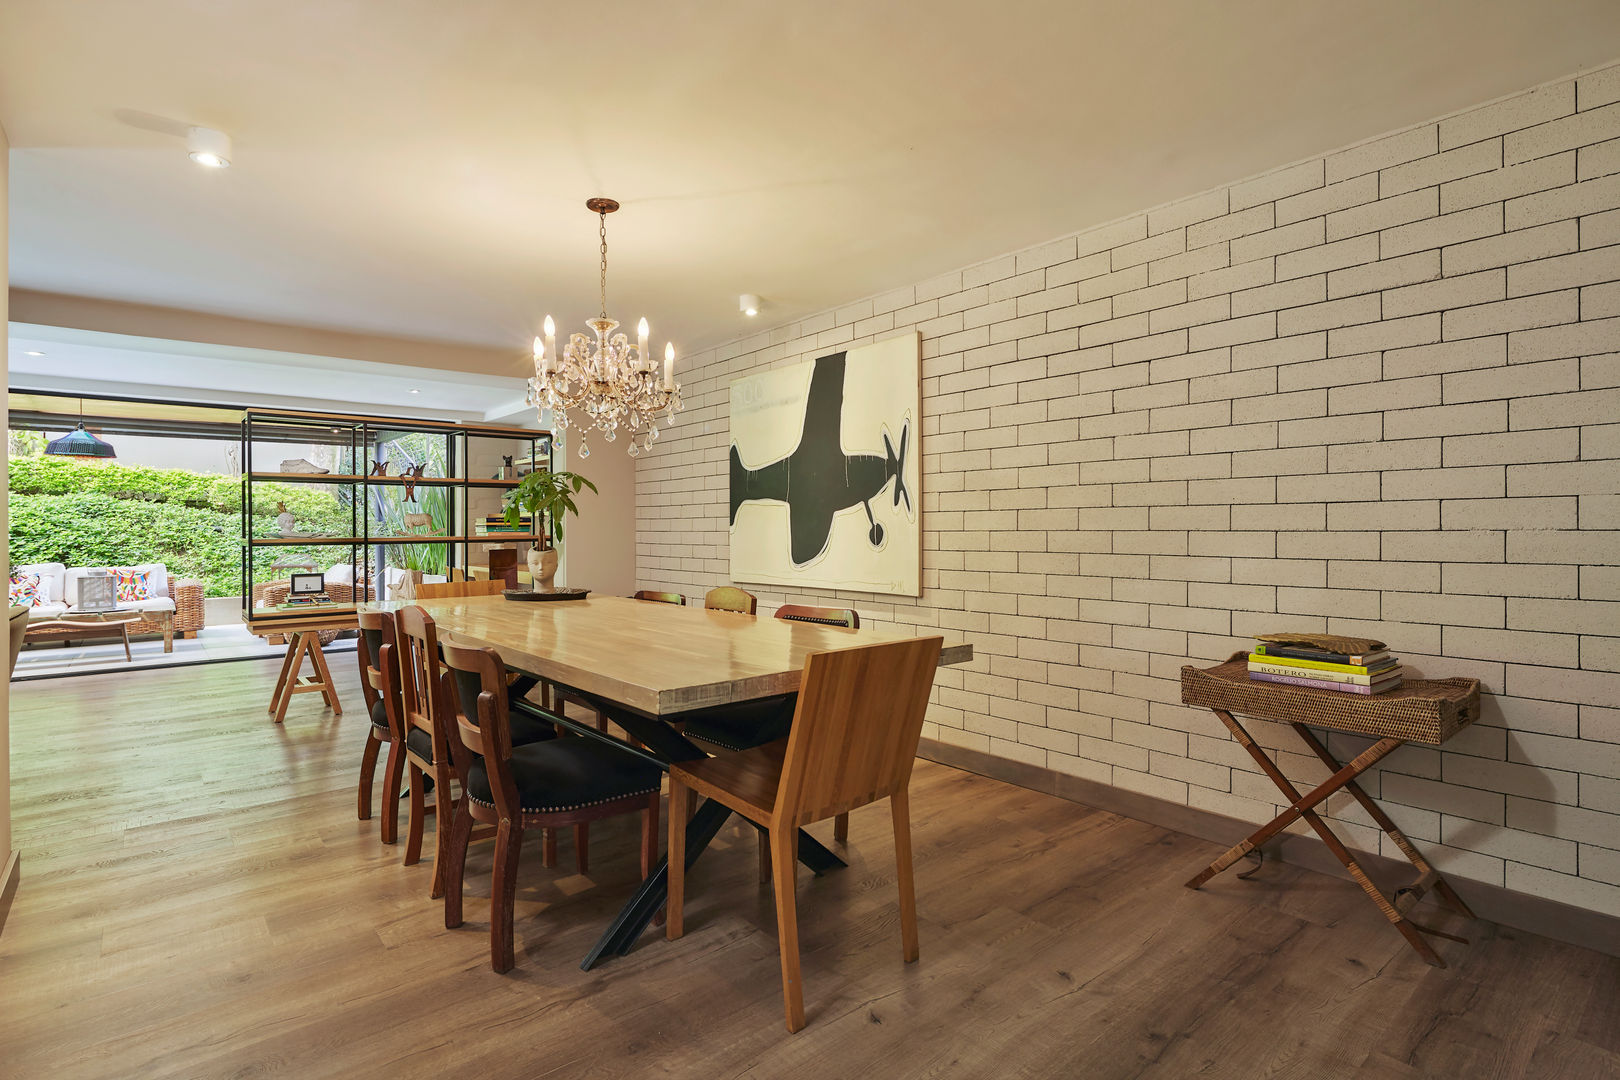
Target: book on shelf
1318, 674
1299, 652
1321, 684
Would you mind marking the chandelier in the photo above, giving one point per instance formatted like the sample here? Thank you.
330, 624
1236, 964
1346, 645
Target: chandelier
609, 382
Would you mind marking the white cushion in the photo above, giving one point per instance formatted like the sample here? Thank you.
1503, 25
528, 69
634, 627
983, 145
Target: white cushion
51, 578
45, 611
340, 574
157, 603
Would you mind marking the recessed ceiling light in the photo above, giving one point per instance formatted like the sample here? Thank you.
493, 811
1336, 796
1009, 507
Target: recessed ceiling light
748, 304
414, 391
33, 352
208, 147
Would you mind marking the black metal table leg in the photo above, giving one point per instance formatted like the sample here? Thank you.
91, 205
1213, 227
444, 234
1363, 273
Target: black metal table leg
639, 910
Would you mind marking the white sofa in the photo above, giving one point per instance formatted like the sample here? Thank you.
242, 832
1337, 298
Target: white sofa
59, 595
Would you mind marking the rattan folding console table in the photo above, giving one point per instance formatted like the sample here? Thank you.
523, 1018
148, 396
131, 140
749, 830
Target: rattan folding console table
1427, 711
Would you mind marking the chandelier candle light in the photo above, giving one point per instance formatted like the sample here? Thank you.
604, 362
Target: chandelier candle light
611, 382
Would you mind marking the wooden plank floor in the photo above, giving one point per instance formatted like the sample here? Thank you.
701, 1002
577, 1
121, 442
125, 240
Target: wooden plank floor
199, 900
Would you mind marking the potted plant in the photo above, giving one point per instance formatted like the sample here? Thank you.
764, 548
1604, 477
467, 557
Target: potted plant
548, 497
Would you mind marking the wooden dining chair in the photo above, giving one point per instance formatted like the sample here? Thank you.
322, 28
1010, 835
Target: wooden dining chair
731, 598
429, 725
853, 741
660, 597
438, 590
377, 634
542, 785
757, 723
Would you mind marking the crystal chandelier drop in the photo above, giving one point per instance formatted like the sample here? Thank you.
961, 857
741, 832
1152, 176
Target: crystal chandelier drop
609, 381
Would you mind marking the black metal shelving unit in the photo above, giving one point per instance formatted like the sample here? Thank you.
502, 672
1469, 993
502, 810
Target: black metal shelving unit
359, 436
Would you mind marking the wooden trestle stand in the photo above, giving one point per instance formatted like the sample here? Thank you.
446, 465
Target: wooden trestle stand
1427, 711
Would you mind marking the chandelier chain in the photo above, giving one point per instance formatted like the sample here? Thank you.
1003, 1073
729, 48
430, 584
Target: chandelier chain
602, 217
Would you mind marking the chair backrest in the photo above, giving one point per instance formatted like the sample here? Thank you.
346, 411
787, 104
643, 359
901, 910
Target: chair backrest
19, 630
855, 730
438, 590
730, 598
423, 697
826, 616
482, 720
378, 652
660, 597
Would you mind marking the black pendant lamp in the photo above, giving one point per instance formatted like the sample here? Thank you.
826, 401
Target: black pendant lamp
81, 444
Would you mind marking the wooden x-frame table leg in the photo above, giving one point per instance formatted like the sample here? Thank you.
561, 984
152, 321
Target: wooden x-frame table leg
1303, 806
291, 681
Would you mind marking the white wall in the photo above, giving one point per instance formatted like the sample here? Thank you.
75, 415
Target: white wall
1374, 392
599, 545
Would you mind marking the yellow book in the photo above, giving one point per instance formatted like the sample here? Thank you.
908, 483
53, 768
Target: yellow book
1318, 665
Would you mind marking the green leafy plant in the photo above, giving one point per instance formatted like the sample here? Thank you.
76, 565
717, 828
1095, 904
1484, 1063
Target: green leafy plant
550, 494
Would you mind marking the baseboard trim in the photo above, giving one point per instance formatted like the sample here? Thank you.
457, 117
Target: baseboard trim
1536, 914
8, 885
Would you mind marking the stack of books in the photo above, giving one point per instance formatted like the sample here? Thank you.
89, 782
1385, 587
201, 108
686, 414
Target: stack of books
1297, 664
496, 525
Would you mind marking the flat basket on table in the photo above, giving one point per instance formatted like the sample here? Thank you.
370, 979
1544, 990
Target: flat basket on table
1419, 710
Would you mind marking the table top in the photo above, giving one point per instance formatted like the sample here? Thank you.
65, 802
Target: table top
654, 658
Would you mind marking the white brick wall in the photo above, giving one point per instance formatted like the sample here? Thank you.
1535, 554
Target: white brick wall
1376, 393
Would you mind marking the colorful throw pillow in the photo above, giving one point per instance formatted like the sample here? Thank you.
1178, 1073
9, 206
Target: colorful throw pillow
131, 584
24, 590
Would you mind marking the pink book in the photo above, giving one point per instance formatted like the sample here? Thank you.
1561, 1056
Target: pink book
1321, 684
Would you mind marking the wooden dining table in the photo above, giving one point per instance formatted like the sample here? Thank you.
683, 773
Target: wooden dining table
644, 666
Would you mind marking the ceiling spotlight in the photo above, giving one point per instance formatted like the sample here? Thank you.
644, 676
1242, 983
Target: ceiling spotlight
208, 147
33, 352
415, 391
748, 304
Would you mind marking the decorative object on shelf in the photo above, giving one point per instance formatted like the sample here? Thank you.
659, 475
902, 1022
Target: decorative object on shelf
413, 522
611, 382
411, 474
547, 497
830, 439
506, 470
302, 465
306, 585
285, 521
379, 468
293, 563
81, 444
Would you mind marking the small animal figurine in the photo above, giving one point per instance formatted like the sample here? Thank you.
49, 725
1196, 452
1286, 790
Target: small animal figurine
411, 474
417, 521
379, 468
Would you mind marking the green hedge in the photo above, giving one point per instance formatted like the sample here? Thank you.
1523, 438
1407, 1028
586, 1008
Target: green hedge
110, 514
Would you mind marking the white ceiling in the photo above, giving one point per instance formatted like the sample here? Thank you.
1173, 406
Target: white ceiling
116, 365
418, 168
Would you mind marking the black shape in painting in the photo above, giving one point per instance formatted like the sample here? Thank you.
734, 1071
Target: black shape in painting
818, 479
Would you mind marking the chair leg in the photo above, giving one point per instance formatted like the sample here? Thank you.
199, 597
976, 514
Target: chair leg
503, 896
649, 835
841, 828
413, 838
784, 865
548, 848
455, 862
764, 857
582, 847
900, 807
678, 797
442, 818
393, 773
368, 770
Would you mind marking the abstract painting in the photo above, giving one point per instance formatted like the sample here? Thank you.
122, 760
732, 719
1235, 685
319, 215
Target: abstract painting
825, 472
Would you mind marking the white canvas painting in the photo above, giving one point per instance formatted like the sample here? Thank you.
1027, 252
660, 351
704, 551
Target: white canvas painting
825, 472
